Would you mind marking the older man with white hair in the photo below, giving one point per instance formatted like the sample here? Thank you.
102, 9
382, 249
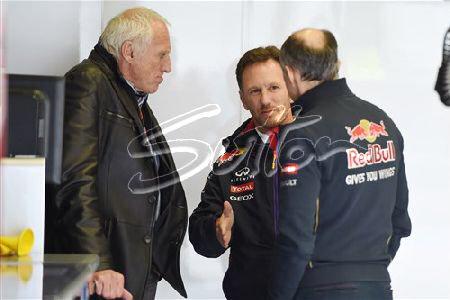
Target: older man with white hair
110, 136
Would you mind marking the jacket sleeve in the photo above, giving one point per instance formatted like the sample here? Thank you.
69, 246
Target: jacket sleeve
80, 208
202, 228
401, 222
299, 187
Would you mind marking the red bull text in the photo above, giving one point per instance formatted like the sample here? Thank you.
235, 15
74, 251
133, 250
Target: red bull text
374, 155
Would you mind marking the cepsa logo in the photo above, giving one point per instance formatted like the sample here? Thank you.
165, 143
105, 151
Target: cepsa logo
366, 130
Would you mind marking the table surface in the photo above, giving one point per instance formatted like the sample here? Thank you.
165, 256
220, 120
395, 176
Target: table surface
57, 276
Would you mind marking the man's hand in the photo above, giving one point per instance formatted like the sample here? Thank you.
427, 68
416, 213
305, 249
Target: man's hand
224, 225
108, 284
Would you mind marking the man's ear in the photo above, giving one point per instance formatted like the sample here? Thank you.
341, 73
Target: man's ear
338, 67
127, 51
241, 95
291, 74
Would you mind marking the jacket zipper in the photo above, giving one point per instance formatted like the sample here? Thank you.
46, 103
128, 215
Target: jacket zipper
275, 191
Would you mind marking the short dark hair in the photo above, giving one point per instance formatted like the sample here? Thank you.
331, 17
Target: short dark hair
257, 55
313, 63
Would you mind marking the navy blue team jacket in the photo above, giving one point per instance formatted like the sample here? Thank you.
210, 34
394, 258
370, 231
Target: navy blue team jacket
342, 191
245, 175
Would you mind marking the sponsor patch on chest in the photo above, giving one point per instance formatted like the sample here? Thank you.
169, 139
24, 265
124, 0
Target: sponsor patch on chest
242, 197
242, 188
242, 175
229, 156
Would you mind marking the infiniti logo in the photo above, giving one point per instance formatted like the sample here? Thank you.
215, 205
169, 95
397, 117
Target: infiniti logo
242, 172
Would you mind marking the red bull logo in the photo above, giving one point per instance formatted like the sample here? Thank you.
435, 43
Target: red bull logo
374, 155
366, 130
228, 156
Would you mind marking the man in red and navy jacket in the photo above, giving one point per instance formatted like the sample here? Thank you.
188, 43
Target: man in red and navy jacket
239, 204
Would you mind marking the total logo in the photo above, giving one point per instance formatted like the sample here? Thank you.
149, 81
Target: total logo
242, 198
366, 130
246, 187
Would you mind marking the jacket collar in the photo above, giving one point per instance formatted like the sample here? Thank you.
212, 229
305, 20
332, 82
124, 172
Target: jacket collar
106, 57
127, 96
325, 91
246, 134
242, 133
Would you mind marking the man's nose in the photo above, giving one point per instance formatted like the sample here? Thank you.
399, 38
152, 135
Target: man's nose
167, 65
265, 98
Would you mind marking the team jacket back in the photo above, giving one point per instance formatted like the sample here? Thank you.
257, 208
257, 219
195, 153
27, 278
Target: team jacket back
343, 192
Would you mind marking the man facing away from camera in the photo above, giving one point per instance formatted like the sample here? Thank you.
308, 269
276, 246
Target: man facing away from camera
238, 208
343, 191
110, 136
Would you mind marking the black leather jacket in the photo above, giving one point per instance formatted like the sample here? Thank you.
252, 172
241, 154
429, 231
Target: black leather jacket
104, 203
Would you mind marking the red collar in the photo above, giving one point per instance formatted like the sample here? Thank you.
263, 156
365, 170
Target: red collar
272, 132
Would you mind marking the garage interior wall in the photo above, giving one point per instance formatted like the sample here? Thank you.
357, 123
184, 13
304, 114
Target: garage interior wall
390, 54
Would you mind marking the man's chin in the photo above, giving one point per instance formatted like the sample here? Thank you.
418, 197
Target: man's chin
269, 124
273, 121
153, 89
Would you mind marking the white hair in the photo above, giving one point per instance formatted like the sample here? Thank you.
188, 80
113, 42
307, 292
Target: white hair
134, 24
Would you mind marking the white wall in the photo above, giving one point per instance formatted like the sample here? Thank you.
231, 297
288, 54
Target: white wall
41, 37
390, 54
